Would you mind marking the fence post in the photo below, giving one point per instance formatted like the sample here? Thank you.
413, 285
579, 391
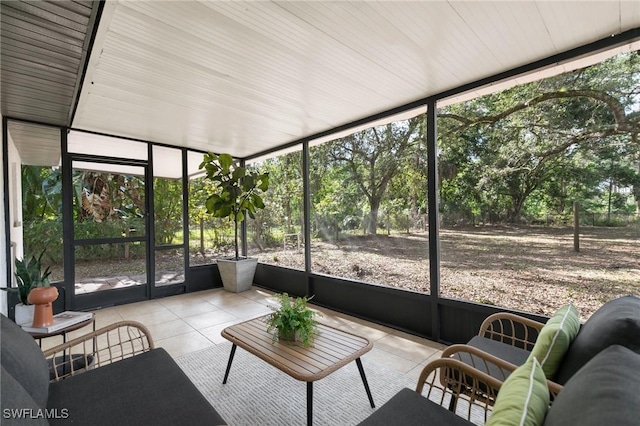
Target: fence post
576, 227
202, 236
127, 253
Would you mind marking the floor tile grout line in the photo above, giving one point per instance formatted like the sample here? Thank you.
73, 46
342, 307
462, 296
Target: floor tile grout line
350, 323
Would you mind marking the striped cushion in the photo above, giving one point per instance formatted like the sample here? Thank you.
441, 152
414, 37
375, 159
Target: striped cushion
555, 338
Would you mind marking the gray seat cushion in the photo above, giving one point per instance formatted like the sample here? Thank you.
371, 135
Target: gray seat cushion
147, 389
17, 406
604, 392
616, 323
24, 360
408, 408
507, 352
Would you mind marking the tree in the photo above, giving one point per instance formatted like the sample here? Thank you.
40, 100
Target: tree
41, 192
167, 209
509, 145
372, 158
335, 198
283, 203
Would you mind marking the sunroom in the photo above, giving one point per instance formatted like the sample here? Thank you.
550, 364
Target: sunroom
431, 163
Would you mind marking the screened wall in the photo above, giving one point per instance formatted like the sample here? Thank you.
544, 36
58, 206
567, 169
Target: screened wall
523, 199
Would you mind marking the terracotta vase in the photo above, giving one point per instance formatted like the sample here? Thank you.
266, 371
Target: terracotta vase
42, 297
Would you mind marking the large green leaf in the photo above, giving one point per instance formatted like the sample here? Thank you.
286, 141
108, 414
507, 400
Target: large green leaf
224, 211
225, 161
248, 183
238, 173
264, 182
211, 202
257, 201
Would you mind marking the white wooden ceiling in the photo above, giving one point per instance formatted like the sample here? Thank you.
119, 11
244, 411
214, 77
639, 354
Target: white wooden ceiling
38, 145
247, 76
43, 47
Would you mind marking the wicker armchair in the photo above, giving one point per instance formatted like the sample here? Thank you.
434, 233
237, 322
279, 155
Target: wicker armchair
505, 341
511, 329
495, 367
109, 344
444, 383
447, 379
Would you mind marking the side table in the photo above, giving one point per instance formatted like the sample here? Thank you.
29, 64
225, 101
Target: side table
63, 363
64, 331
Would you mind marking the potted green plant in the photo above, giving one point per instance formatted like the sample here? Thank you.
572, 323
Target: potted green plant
29, 276
292, 320
236, 194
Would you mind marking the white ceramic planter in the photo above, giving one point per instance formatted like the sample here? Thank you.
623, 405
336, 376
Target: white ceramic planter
24, 314
237, 275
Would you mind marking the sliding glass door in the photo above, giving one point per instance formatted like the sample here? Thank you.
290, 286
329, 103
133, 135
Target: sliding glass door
110, 231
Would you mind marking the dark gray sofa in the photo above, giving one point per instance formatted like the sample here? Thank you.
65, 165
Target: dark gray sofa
600, 372
148, 388
616, 322
603, 392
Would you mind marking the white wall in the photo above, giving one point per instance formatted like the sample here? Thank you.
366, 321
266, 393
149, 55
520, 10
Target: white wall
3, 244
14, 219
15, 200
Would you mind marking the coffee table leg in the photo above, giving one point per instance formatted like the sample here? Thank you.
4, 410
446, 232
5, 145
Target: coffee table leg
226, 373
309, 403
364, 380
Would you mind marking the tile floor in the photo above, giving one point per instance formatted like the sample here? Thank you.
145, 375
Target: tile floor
190, 322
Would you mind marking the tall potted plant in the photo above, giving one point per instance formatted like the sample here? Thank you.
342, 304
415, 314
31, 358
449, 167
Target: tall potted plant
236, 194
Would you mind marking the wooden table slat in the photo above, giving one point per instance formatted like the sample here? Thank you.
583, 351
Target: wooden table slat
284, 353
331, 349
335, 347
345, 339
274, 359
327, 342
289, 351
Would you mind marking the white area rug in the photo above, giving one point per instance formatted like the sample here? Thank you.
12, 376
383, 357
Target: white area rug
258, 394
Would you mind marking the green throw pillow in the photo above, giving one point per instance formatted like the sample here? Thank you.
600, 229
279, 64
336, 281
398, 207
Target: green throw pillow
555, 338
523, 399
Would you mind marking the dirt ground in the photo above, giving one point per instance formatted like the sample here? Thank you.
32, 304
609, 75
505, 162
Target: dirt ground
533, 269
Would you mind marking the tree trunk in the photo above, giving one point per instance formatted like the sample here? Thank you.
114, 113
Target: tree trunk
202, 236
127, 253
287, 212
235, 240
636, 193
257, 234
609, 202
518, 203
373, 216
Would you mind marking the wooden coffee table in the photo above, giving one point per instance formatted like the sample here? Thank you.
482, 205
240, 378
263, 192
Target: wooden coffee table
332, 349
